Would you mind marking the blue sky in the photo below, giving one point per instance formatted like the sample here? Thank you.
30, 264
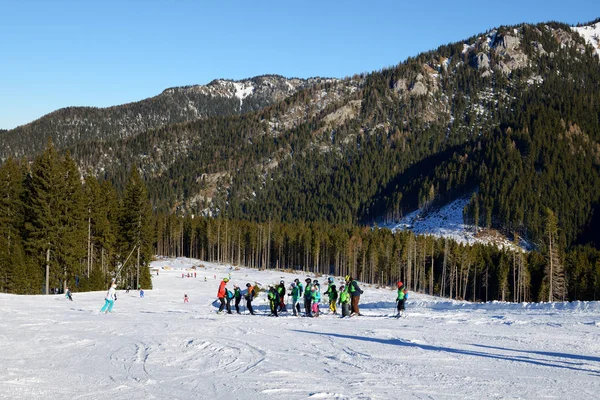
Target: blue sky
57, 53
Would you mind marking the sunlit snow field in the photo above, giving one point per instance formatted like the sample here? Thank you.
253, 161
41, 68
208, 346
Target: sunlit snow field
159, 347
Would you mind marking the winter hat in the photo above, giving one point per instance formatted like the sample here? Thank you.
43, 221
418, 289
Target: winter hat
248, 285
308, 280
225, 279
400, 284
330, 279
293, 284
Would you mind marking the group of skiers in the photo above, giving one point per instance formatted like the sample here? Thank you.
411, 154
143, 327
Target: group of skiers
348, 296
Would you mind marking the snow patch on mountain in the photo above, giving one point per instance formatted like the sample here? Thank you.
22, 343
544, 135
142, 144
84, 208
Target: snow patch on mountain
591, 34
448, 222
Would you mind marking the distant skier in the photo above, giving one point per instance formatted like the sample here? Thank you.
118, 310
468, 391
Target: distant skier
281, 293
68, 294
355, 293
308, 298
400, 299
128, 289
222, 296
237, 295
295, 293
109, 299
250, 294
344, 301
273, 296
185, 298
333, 295
141, 293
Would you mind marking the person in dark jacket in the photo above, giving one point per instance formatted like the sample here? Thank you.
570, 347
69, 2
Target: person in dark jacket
281, 292
250, 294
355, 293
307, 298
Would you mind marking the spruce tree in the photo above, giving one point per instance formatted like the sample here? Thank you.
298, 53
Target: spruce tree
136, 231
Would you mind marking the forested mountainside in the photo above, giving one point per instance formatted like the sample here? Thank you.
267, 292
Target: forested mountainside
511, 115
74, 125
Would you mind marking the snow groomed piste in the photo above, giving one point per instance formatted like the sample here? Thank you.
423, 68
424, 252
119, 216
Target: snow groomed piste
162, 347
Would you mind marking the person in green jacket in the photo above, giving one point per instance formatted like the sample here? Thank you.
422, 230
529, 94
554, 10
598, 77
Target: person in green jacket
273, 296
355, 293
308, 298
295, 293
344, 301
401, 298
333, 295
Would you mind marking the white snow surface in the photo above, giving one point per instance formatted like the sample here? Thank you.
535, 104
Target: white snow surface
591, 34
159, 347
448, 222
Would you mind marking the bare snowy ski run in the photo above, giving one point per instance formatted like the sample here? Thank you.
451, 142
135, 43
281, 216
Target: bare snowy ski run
159, 347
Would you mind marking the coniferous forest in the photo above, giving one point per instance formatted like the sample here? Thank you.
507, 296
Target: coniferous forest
70, 232
300, 183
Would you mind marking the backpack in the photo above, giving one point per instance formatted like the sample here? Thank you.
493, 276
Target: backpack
228, 294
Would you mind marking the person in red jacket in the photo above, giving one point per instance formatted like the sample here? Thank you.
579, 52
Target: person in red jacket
222, 296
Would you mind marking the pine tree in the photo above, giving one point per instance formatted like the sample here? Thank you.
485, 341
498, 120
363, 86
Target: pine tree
136, 230
554, 269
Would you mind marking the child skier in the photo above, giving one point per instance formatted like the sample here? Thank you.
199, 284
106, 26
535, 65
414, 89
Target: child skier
273, 300
222, 296
344, 301
109, 299
281, 292
333, 295
237, 295
295, 293
316, 297
68, 294
185, 298
308, 298
300, 293
249, 297
400, 299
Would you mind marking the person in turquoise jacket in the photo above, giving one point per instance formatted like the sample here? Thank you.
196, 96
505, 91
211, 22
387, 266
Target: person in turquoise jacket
316, 297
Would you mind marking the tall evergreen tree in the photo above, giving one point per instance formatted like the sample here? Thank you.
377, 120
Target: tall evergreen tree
137, 234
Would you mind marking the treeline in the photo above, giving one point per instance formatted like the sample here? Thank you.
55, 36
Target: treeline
57, 230
379, 256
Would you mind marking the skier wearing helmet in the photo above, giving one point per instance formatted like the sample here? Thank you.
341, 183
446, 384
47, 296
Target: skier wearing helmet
332, 294
281, 293
308, 298
273, 300
295, 293
401, 299
250, 293
222, 296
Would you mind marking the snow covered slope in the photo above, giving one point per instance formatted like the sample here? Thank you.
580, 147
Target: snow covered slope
158, 347
447, 222
591, 34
